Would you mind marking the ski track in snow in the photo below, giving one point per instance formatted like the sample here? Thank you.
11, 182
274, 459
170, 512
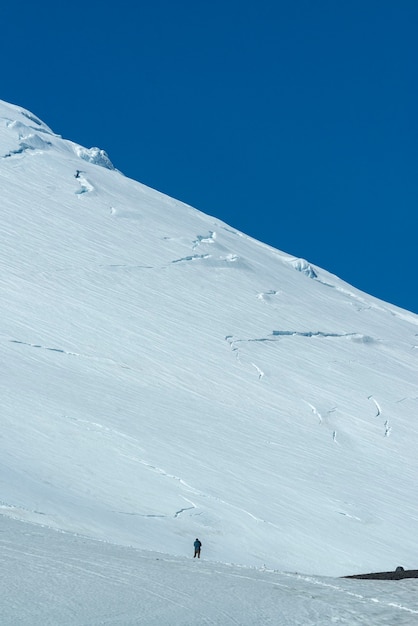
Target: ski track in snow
285, 597
359, 596
162, 590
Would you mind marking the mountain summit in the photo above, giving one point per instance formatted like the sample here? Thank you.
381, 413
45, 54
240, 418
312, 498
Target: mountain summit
166, 377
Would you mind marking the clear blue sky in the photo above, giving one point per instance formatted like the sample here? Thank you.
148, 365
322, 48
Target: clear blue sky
294, 121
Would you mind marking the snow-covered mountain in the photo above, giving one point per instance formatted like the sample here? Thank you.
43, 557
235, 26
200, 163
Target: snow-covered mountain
165, 376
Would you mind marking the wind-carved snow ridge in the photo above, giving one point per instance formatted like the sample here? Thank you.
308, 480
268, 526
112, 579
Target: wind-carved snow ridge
32, 118
95, 156
24, 129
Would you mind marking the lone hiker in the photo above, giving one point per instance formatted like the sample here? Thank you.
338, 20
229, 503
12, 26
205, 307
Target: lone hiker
197, 545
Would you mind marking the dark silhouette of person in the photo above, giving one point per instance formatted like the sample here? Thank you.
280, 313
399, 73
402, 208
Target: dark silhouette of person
197, 545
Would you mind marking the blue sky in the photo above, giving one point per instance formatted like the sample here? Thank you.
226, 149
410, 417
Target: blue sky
295, 122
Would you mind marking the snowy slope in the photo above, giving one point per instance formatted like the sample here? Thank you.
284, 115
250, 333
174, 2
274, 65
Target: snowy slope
165, 376
49, 578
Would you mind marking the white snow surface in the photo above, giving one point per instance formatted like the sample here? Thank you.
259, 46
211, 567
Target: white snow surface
165, 377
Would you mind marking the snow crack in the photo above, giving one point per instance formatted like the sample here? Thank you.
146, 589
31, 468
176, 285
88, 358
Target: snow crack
216, 260
315, 412
102, 359
204, 239
184, 509
232, 342
379, 410
322, 420
316, 333
387, 427
36, 345
192, 257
